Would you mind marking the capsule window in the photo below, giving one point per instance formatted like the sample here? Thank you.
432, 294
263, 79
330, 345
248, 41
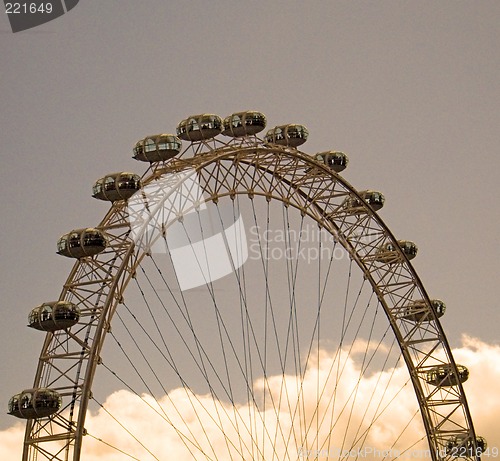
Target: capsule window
61, 244
26, 400
74, 240
127, 182
14, 404
109, 183
139, 149
193, 124
439, 306
91, 238
295, 132
97, 189
47, 399
168, 143
410, 247
33, 317
236, 121
45, 313
254, 119
62, 313
210, 122
149, 145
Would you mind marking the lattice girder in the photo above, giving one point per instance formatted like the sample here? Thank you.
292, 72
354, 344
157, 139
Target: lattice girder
252, 168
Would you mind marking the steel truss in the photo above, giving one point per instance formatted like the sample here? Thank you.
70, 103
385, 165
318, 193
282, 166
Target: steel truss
248, 166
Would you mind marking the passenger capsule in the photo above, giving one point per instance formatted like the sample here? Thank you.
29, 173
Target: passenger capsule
287, 135
53, 316
443, 375
388, 253
116, 186
35, 403
462, 446
157, 148
336, 161
373, 198
199, 127
80, 243
419, 310
244, 124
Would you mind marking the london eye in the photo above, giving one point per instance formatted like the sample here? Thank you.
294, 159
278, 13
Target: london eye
240, 300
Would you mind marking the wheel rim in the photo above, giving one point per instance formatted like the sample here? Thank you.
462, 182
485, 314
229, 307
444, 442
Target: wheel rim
228, 171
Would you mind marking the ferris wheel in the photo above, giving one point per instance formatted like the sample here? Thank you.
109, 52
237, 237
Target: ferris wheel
242, 301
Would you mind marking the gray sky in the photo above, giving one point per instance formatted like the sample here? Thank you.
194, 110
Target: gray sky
409, 89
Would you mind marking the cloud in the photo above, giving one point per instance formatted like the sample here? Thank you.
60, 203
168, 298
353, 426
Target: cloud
483, 362
11, 442
184, 425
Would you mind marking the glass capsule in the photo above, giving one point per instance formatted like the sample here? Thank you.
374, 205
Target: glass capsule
199, 127
35, 403
80, 243
292, 135
244, 124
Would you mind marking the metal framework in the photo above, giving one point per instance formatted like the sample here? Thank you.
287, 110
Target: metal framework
243, 166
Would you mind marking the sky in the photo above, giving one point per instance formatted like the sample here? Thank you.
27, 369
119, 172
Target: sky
409, 90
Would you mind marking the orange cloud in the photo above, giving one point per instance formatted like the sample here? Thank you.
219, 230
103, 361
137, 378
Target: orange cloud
183, 425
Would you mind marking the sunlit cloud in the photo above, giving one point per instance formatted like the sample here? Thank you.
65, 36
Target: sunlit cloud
183, 425
483, 362
11, 442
